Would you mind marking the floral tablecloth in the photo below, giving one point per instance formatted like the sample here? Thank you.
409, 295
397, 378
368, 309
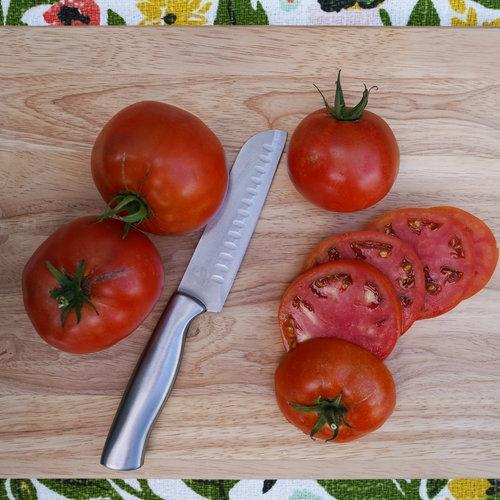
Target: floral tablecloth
189, 489
286, 12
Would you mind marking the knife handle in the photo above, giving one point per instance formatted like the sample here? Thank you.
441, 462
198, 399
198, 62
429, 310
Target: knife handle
150, 385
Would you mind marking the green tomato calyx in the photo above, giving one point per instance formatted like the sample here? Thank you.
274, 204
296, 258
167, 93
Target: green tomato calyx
73, 291
340, 111
130, 208
330, 411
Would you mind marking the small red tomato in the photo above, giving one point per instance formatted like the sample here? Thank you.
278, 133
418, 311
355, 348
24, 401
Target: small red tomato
160, 168
85, 288
343, 159
334, 390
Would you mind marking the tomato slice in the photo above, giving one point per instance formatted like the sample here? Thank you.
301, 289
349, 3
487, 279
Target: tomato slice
485, 250
395, 258
344, 299
444, 247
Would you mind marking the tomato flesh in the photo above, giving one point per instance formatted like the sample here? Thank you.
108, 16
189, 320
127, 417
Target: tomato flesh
484, 249
124, 279
396, 259
325, 368
444, 248
345, 299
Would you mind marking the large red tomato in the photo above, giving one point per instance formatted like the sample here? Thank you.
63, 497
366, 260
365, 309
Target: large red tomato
332, 389
343, 159
85, 288
159, 167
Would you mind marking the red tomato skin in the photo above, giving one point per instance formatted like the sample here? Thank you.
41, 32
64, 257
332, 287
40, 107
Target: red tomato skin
126, 275
167, 156
343, 166
324, 367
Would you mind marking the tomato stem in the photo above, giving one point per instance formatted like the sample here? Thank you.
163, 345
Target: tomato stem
73, 292
133, 205
340, 111
330, 411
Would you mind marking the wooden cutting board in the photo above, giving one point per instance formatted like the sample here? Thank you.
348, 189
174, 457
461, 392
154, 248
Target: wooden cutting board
439, 90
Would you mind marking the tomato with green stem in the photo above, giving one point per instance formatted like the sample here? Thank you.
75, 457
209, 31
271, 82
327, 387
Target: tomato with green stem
334, 390
85, 288
343, 159
159, 168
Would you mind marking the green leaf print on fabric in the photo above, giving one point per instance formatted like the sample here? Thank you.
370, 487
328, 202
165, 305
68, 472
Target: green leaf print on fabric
303, 495
114, 19
388, 489
424, 14
18, 7
213, 489
489, 4
385, 17
3, 490
494, 489
240, 12
23, 489
434, 486
81, 489
145, 492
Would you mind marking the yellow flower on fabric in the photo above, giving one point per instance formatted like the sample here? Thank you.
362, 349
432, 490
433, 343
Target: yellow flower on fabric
458, 6
468, 489
166, 12
471, 19
495, 22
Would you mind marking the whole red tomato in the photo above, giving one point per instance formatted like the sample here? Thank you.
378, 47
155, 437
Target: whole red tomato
334, 390
343, 159
85, 288
159, 167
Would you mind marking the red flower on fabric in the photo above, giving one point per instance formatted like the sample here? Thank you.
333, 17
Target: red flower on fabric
73, 13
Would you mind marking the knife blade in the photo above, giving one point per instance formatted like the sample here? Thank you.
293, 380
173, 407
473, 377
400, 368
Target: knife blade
217, 258
204, 287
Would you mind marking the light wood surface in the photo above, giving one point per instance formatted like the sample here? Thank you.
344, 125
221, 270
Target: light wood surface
439, 90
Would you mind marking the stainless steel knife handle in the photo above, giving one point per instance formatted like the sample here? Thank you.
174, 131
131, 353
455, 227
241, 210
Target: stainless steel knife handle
150, 385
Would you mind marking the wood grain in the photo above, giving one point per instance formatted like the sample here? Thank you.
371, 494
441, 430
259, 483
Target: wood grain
439, 90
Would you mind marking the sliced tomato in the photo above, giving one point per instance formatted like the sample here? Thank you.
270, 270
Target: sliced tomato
344, 299
484, 249
395, 258
444, 247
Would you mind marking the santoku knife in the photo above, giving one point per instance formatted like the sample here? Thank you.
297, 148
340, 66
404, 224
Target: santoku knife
204, 287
